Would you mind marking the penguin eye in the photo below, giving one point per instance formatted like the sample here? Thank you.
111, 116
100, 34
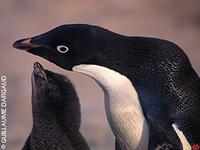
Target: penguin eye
62, 48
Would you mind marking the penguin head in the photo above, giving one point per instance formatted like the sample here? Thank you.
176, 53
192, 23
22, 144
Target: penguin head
51, 89
66, 45
54, 95
75, 44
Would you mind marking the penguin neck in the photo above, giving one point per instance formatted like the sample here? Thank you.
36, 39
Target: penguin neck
47, 136
46, 131
70, 119
45, 124
120, 48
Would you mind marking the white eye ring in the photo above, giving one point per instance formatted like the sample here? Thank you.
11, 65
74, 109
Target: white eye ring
62, 48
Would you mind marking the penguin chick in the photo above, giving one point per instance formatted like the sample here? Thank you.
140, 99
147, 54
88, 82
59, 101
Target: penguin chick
56, 113
122, 107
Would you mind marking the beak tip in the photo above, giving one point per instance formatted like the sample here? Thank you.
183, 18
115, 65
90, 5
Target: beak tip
22, 44
39, 71
15, 44
37, 67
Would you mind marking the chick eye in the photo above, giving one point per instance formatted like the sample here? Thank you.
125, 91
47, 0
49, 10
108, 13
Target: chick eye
62, 48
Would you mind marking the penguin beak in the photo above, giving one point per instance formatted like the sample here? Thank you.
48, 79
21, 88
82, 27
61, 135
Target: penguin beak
25, 44
38, 70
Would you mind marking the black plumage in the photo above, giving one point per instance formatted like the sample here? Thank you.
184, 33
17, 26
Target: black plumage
167, 85
56, 113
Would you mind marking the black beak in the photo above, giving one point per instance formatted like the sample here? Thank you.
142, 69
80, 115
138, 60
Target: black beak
25, 44
38, 70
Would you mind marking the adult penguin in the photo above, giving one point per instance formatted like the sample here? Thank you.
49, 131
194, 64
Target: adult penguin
56, 113
167, 85
124, 113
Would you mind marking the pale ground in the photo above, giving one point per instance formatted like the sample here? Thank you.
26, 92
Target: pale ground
175, 20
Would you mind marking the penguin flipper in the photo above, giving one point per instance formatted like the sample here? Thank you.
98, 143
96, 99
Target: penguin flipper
163, 137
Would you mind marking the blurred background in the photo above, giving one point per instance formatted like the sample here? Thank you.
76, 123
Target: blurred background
174, 20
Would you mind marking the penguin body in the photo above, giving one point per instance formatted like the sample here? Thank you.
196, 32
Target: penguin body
56, 113
125, 115
167, 85
122, 107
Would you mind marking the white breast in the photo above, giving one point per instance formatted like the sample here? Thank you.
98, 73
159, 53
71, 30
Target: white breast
122, 106
125, 115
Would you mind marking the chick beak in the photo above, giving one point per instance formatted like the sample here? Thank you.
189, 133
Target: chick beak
39, 71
